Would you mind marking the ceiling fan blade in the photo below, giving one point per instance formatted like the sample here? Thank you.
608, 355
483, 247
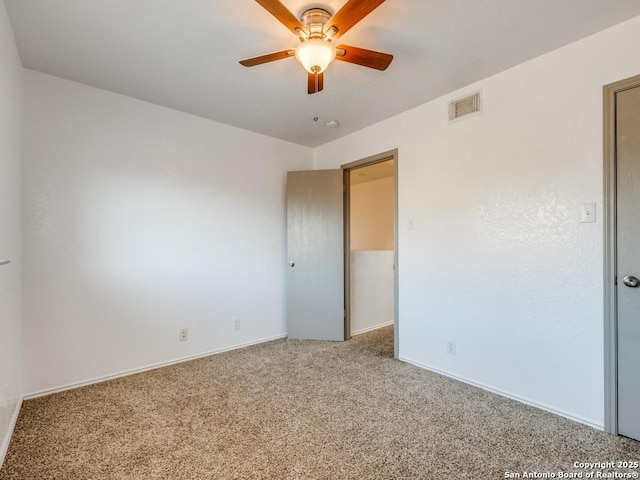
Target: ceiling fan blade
278, 10
352, 12
315, 82
361, 56
252, 62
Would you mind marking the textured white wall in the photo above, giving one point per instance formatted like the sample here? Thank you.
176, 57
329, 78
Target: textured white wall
10, 230
372, 207
139, 221
498, 260
371, 290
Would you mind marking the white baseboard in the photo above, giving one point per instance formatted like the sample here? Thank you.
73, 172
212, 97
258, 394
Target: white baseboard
502, 393
105, 378
12, 425
369, 329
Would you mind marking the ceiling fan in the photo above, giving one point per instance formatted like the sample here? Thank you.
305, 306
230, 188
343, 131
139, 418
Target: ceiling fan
317, 29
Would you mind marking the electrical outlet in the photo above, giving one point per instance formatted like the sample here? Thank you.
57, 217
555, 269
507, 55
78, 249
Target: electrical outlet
236, 324
184, 334
451, 347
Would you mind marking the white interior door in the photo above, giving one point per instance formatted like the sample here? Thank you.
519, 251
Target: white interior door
628, 260
315, 249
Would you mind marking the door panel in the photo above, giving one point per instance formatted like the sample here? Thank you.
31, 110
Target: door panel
628, 263
315, 249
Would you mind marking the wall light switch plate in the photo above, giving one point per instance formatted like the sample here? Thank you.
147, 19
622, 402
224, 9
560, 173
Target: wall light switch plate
587, 213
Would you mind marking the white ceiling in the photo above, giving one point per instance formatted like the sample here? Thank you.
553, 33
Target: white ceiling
184, 54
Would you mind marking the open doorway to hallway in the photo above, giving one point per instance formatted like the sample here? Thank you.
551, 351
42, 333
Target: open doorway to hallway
371, 246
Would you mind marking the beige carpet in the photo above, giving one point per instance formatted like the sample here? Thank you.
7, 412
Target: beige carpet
296, 410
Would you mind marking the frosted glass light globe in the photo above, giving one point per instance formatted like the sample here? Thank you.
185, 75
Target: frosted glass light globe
315, 55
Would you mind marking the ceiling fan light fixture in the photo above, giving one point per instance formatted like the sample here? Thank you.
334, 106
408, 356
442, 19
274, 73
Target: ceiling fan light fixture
317, 29
315, 55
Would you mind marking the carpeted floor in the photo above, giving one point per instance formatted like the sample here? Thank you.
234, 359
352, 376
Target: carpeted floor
297, 410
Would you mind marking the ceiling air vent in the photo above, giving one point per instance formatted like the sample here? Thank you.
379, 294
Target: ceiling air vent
465, 106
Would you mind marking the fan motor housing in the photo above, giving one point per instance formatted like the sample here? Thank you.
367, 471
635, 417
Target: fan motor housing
315, 16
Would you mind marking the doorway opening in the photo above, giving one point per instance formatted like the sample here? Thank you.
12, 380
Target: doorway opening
371, 274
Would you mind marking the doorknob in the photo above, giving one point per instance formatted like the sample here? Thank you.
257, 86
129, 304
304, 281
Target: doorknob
292, 264
631, 281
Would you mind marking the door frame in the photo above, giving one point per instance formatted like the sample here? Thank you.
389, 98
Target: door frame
347, 168
610, 252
